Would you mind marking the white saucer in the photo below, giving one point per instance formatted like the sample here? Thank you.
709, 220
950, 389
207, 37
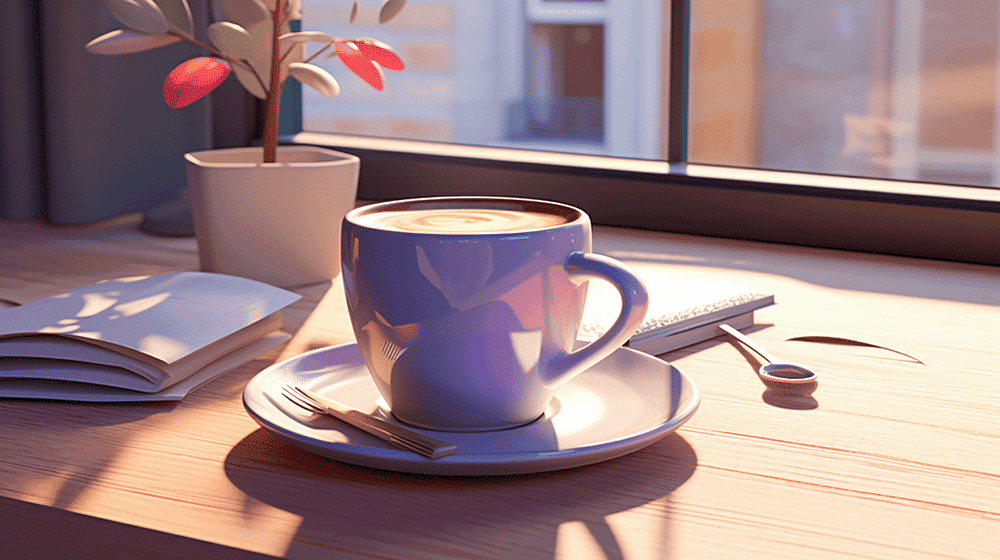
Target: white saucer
624, 403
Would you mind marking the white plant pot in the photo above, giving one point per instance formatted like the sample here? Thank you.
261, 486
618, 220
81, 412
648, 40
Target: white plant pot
274, 222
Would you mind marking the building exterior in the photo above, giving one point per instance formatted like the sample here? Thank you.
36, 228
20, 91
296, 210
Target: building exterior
887, 88
568, 76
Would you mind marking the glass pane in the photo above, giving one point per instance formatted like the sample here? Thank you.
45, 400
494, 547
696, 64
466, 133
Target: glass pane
564, 96
876, 88
577, 76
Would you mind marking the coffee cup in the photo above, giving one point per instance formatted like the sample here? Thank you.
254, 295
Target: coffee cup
466, 309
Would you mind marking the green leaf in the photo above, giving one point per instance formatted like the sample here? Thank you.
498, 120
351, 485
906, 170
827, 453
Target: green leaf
243, 12
307, 37
389, 10
249, 82
123, 41
178, 14
314, 77
140, 15
231, 39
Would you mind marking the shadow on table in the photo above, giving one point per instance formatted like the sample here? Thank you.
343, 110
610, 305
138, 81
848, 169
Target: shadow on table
358, 508
845, 270
791, 402
60, 437
773, 398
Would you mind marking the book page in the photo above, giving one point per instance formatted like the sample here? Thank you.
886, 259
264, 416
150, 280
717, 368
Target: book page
14, 350
66, 359
166, 317
57, 390
75, 372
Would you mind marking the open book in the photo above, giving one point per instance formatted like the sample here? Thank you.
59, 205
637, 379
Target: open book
682, 311
147, 338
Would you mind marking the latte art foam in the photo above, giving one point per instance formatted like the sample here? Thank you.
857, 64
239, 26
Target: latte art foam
460, 220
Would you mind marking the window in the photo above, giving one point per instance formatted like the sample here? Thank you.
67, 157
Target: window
523, 74
564, 89
860, 124
883, 88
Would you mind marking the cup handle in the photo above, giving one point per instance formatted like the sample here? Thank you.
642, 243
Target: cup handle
635, 301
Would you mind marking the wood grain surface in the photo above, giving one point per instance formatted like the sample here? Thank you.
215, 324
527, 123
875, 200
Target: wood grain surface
888, 459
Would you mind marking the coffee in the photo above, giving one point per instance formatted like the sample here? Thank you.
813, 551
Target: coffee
466, 309
460, 220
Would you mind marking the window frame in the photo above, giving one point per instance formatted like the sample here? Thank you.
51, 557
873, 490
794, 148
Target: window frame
859, 214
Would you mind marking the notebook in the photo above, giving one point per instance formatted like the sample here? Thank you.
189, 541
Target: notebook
682, 311
146, 338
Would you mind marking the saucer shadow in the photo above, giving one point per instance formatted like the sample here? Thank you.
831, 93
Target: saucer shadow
350, 504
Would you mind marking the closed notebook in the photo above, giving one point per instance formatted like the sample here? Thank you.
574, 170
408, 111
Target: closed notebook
682, 311
141, 338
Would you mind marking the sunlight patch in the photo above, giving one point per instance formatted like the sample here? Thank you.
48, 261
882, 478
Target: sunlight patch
140, 305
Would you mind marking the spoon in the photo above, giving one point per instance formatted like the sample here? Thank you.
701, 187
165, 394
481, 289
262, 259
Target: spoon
779, 376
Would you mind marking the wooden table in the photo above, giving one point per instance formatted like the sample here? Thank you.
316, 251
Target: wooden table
890, 459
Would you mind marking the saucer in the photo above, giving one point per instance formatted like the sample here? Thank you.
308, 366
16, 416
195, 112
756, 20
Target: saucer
624, 403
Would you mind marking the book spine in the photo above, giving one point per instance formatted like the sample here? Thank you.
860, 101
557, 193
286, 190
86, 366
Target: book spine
657, 345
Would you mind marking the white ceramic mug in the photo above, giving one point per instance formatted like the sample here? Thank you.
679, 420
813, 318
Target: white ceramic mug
466, 309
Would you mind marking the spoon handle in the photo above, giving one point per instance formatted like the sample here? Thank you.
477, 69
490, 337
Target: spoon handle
749, 343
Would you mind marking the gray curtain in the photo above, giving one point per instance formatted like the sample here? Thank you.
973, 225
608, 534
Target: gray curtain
21, 169
88, 137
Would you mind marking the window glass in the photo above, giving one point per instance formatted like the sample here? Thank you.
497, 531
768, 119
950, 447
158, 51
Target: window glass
564, 93
569, 76
874, 88
877, 88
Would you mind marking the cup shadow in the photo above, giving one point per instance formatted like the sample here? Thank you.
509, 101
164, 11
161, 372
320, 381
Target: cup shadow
350, 507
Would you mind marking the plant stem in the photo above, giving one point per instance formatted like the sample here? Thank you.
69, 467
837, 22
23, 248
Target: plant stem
315, 54
274, 92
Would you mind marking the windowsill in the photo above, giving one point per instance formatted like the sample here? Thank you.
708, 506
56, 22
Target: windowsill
523, 154
513, 155
890, 217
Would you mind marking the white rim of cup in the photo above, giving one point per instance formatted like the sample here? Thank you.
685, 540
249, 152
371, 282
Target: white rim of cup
576, 215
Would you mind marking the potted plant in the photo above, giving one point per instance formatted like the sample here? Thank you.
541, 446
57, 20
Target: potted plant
263, 213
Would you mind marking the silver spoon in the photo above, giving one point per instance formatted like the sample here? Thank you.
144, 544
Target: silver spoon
779, 376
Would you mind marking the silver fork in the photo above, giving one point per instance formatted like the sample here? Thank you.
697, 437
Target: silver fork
397, 435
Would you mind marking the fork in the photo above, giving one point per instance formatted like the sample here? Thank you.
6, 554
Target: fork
397, 435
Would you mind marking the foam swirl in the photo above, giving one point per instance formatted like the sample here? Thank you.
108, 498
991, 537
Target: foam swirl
460, 220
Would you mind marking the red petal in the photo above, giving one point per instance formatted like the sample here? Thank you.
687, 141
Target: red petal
193, 79
380, 55
359, 64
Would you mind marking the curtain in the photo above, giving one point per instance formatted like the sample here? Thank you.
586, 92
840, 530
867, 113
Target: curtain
21, 195
87, 137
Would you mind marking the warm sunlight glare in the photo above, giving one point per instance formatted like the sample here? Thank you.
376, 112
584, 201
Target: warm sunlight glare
254, 311
574, 540
166, 348
96, 303
59, 330
587, 408
140, 305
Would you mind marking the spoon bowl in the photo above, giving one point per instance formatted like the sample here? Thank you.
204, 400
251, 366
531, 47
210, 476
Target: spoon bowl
790, 379
779, 376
